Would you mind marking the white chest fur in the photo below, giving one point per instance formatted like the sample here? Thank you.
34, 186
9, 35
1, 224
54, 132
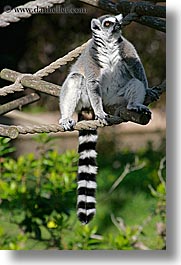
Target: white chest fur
113, 77
109, 55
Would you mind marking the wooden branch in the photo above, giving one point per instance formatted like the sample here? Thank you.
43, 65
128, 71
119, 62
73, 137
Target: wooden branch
9, 131
155, 1
123, 115
141, 8
31, 82
152, 22
127, 115
18, 103
153, 94
146, 12
13, 131
102, 4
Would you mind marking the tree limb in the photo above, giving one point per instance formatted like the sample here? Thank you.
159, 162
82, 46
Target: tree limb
122, 113
18, 103
146, 12
125, 115
31, 82
155, 1
141, 8
152, 22
9, 131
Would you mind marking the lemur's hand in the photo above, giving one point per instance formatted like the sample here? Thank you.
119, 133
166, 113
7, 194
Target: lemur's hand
67, 124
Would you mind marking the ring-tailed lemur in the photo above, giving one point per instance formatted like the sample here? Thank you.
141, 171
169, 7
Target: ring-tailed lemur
108, 69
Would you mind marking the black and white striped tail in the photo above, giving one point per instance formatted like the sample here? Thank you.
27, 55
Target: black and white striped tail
87, 170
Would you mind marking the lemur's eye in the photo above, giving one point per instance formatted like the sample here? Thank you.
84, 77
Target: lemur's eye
107, 24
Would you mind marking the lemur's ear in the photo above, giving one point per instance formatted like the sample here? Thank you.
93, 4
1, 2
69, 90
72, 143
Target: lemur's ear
119, 17
95, 24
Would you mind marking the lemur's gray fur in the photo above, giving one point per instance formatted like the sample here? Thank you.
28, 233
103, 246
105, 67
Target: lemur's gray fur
108, 69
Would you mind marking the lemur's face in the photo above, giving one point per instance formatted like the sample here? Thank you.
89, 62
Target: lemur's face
107, 25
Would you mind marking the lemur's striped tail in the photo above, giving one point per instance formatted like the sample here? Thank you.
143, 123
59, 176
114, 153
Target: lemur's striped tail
87, 170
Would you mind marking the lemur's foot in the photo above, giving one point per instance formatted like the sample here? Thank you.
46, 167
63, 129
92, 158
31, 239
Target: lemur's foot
67, 124
140, 108
153, 94
102, 118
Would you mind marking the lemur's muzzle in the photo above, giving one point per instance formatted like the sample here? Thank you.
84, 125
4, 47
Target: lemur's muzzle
116, 27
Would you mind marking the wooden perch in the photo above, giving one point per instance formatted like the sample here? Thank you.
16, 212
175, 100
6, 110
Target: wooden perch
146, 12
9, 131
18, 103
152, 22
141, 8
13, 131
31, 82
155, 1
123, 115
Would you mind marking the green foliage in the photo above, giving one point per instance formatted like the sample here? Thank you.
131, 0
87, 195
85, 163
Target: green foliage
38, 200
37, 192
5, 147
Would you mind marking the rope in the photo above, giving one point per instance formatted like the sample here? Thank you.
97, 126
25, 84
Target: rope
57, 128
12, 16
61, 61
14, 87
124, 115
14, 131
17, 86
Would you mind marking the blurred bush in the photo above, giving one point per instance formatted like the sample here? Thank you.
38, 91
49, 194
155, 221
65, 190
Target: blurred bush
38, 201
